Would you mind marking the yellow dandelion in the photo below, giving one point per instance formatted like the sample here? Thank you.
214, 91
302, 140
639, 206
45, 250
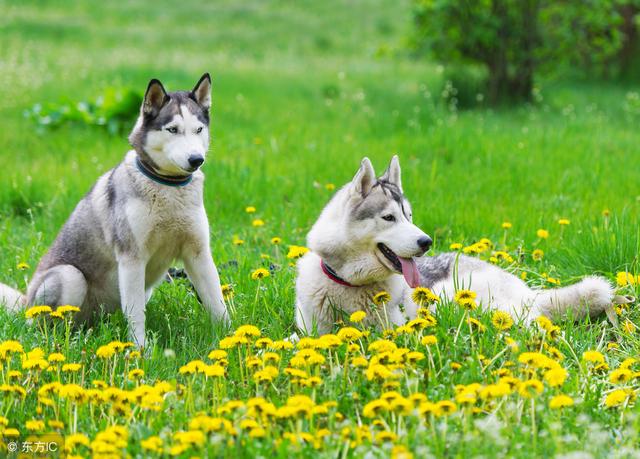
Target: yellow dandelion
530, 389
537, 255
618, 397
464, 295
542, 233
276, 240
560, 401
22, 266
67, 309
381, 298
455, 246
260, 273
36, 311
135, 374
349, 334
555, 377
247, 331
563, 222
227, 291
357, 316
502, 320
257, 222
593, 357
296, 251
250, 209
423, 295
506, 225
624, 278
429, 340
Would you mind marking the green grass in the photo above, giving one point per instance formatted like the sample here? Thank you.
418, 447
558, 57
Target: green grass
301, 91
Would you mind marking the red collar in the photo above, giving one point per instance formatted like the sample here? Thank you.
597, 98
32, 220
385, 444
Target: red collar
331, 274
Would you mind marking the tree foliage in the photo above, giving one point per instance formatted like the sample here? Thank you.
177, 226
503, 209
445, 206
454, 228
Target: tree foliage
515, 39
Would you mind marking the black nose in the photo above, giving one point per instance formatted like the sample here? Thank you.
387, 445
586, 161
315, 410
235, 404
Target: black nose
196, 160
425, 243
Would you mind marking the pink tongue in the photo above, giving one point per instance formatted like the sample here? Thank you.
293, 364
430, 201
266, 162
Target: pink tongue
410, 271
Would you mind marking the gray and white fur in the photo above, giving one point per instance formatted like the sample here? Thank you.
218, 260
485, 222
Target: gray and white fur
366, 236
138, 217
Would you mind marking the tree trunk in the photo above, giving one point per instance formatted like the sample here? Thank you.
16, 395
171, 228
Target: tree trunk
630, 51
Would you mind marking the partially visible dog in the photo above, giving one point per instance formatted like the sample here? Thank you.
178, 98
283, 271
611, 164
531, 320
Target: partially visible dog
365, 242
137, 218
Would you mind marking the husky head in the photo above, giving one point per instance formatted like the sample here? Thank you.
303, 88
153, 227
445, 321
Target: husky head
172, 132
366, 232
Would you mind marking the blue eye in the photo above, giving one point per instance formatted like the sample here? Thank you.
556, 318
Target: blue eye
389, 218
199, 130
172, 129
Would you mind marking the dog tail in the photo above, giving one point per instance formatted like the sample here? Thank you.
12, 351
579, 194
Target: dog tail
591, 296
12, 299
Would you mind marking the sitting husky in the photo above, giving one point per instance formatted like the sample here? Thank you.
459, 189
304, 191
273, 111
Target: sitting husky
137, 218
365, 242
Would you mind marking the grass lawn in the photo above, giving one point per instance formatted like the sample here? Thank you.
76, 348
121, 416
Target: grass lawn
301, 92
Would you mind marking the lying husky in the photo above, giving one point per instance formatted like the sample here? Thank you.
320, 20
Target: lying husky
365, 242
137, 218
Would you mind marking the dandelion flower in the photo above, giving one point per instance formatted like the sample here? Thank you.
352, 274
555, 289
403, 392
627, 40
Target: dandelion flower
537, 255
624, 278
357, 316
260, 273
349, 334
423, 295
563, 222
593, 357
22, 266
227, 291
542, 233
555, 377
36, 311
455, 246
621, 375
276, 240
429, 340
560, 401
35, 425
464, 295
153, 443
506, 225
502, 320
530, 389
247, 331
381, 298
250, 209
236, 240
257, 222
296, 251
617, 397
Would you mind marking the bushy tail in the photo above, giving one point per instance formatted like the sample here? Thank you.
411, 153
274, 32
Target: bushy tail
591, 296
11, 298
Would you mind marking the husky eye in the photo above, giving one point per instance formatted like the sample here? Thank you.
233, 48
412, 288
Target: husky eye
199, 130
389, 218
173, 129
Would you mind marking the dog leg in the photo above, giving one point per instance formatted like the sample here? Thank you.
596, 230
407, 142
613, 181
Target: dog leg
60, 285
131, 279
204, 276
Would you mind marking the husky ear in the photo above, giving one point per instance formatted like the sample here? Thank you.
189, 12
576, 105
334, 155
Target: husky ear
201, 92
392, 174
154, 98
365, 178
